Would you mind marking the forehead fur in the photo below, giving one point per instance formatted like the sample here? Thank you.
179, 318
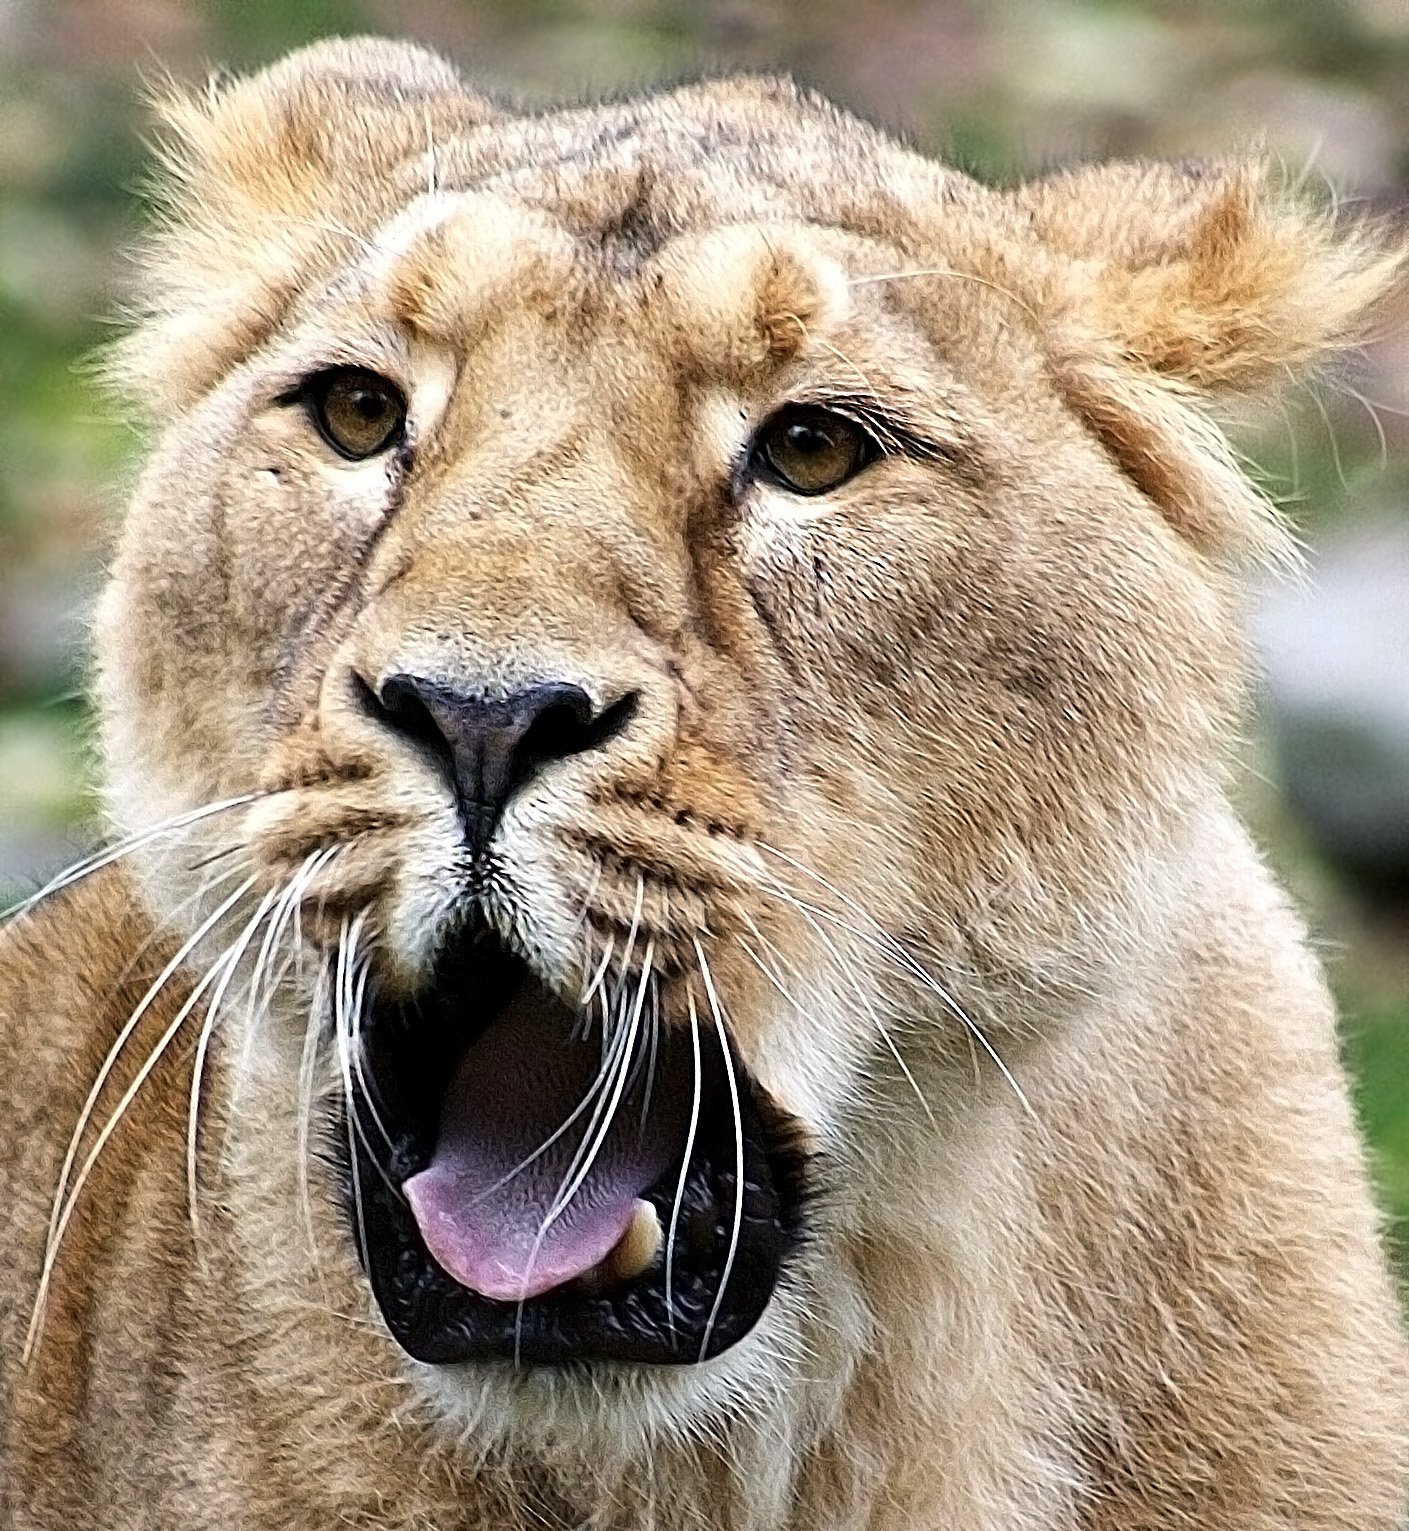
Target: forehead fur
276, 182
1149, 289
458, 259
744, 298
735, 299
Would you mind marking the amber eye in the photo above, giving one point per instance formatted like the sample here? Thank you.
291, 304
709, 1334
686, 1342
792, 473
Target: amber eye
357, 412
812, 450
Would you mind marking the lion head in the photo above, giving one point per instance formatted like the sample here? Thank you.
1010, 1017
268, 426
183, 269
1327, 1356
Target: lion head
670, 647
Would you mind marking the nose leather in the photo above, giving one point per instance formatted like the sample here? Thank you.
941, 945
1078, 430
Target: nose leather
491, 746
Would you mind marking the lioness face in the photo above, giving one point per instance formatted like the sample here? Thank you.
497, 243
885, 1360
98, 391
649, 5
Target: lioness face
620, 574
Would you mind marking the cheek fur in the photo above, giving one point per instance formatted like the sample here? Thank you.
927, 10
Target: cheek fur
298, 529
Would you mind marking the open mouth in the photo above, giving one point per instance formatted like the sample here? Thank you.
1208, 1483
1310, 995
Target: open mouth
547, 1186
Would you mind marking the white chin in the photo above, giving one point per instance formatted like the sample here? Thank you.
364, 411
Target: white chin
573, 1415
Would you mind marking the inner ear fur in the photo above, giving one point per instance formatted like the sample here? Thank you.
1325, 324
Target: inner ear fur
266, 181
1175, 287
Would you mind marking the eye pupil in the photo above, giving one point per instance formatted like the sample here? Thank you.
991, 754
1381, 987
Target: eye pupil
811, 450
808, 438
357, 412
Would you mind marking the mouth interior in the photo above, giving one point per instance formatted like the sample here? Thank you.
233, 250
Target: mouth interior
550, 1135
534, 1183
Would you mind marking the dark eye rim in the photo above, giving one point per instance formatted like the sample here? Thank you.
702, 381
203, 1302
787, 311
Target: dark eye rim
312, 393
762, 467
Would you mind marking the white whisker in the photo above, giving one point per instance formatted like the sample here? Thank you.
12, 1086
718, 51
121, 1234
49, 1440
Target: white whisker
356, 995
690, 1136
768, 973
308, 1058
259, 997
85, 1114
717, 1011
107, 855
349, 991
848, 971
653, 1057
960, 276
888, 943
622, 1075
172, 918
587, 897
617, 1067
67, 1196
229, 963
340, 995
599, 975
432, 174
593, 1090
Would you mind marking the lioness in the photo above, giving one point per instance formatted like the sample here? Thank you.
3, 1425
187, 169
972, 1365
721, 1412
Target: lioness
676, 954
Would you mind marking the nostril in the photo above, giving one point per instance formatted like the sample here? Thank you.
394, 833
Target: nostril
398, 706
557, 730
567, 725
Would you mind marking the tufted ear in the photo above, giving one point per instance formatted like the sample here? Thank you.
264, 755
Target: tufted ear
267, 181
1176, 286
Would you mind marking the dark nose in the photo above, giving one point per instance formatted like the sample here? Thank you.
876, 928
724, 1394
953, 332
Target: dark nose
490, 747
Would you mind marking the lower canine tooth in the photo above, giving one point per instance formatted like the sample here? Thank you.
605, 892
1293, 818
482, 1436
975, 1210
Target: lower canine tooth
637, 1247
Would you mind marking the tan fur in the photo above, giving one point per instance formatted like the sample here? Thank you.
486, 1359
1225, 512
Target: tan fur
958, 725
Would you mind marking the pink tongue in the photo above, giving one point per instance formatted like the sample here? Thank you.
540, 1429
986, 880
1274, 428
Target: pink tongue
481, 1214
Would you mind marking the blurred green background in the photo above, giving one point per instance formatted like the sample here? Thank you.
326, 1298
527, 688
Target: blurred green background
999, 87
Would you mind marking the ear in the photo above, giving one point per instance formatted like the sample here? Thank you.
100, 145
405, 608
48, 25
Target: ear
268, 181
1174, 287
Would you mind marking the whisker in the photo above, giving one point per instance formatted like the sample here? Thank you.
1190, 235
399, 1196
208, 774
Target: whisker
67, 1197
624, 965
900, 953
356, 993
230, 962
203, 862
908, 977
623, 1075
263, 983
582, 1021
767, 972
172, 918
690, 1136
961, 276
728, 1271
358, 1062
350, 1104
593, 1090
288, 908
432, 173
654, 1052
772, 947
308, 1058
290, 911
915, 974
85, 1115
844, 359
587, 897
349, 991
106, 855
848, 971
617, 1067
599, 975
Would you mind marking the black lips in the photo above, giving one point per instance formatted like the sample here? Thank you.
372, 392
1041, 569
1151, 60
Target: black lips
411, 1052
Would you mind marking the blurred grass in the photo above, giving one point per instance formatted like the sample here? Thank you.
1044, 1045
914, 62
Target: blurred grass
1375, 1051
